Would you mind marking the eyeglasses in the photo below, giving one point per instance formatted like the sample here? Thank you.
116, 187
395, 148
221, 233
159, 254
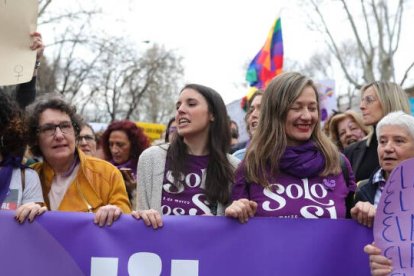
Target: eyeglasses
50, 129
368, 99
87, 138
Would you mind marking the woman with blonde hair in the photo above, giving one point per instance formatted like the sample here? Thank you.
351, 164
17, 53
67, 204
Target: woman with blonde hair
291, 169
377, 100
347, 128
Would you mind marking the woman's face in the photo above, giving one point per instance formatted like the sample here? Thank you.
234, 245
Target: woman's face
371, 107
302, 117
87, 141
254, 114
172, 131
395, 144
192, 117
56, 137
119, 146
349, 132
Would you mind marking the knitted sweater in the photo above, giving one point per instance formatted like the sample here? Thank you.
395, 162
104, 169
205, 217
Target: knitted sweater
150, 171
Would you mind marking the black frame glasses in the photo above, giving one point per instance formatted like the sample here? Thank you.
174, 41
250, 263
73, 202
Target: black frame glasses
87, 138
65, 127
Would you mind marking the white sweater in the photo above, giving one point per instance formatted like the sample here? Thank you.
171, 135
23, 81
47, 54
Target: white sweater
150, 175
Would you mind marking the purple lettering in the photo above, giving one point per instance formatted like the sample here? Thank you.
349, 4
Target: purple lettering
399, 228
400, 257
412, 227
385, 229
402, 177
412, 254
387, 202
402, 202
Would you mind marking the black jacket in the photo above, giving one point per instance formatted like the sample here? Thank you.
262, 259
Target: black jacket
363, 154
366, 191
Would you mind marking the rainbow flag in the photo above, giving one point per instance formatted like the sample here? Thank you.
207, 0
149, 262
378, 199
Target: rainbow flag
269, 60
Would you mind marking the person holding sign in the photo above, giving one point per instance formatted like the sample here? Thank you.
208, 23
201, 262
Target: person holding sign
20, 188
377, 100
26, 92
71, 180
292, 169
193, 174
395, 144
379, 265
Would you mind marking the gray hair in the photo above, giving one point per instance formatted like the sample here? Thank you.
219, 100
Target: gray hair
397, 118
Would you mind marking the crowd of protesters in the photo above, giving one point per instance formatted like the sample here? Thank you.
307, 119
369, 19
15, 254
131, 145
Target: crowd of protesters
193, 172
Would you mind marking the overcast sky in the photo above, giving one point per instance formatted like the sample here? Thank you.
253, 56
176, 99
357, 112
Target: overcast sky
217, 38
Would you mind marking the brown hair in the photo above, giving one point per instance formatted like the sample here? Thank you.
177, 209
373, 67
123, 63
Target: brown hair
269, 141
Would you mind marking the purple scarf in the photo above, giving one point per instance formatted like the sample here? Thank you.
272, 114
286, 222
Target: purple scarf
128, 164
302, 161
6, 170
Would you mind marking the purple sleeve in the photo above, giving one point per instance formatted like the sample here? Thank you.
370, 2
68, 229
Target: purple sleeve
240, 187
351, 184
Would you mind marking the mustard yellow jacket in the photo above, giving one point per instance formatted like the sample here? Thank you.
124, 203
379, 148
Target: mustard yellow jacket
98, 183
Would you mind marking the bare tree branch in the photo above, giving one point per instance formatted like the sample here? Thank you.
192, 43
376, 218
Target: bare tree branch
406, 73
333, 46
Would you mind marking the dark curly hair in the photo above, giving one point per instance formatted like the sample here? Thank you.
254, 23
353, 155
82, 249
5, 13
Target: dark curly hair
139, 141
13, 131
38, 107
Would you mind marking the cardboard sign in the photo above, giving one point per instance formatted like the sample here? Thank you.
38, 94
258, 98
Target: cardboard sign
394, 220
17, 20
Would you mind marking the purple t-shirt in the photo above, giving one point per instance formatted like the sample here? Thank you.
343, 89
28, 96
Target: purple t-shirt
188, 198
292, 197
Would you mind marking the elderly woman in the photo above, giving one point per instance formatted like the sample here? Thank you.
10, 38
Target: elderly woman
377, 100
347, 128
395, 144
123, 142
87, 140
71, 180
20, 188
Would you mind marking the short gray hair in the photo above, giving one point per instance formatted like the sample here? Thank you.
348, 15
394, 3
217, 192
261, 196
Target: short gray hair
397, 118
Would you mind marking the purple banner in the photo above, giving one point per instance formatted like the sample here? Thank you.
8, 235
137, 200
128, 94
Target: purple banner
60, 243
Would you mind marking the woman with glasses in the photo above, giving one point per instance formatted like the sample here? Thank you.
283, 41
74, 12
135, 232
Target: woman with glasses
71, 180
377, 100
123, 142
87, 140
